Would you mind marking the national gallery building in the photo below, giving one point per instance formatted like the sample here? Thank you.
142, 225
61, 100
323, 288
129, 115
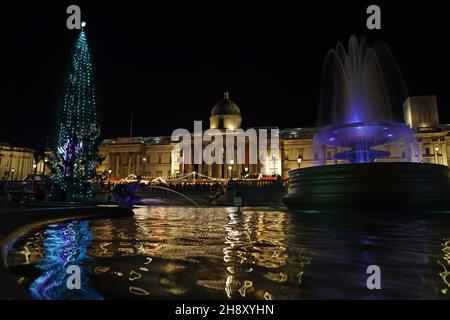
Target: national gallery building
153, 156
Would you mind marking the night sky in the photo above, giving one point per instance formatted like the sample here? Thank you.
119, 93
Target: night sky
171, 64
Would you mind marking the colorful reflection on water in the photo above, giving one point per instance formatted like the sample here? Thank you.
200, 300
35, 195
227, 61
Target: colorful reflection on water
218, 253
58, 247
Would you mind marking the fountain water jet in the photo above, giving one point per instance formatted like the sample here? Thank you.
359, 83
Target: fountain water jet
125, 194
359, 87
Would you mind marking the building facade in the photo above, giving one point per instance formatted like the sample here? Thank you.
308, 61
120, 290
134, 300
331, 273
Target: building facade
154, 156
16, 162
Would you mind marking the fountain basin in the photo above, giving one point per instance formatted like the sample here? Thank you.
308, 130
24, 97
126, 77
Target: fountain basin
371, 133
381, 185
359, 138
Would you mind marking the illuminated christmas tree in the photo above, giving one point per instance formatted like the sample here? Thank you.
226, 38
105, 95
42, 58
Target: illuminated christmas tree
77, 125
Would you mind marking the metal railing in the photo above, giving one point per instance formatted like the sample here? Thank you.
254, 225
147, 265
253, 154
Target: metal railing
20, 190
26, 191
258, 184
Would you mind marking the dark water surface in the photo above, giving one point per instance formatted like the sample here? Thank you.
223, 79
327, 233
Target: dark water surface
216, 253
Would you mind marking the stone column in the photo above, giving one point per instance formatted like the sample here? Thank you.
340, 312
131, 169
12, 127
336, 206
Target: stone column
10, 165
210, 169
219, 170
420, 147
129, 163
138, 164
19, 167
444, 153
117, 166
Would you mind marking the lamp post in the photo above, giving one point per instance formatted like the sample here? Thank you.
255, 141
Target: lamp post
437, 155
109, 176
274, 166
246, 172
43, 167
299, 161
12, 174
231, 166
34, 175
144, 160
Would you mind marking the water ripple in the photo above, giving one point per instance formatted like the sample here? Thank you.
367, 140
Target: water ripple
218, 253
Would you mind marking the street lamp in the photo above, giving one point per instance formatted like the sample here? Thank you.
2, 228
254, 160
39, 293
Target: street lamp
299, 160
34, 175
34, 171
231, 168
245, 175
109, 176
12, 173
144, 160
437, 151
274, 166
43, 167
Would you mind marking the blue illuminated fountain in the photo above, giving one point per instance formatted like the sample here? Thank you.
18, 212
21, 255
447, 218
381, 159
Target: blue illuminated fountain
360, 138
362, 88
358, 87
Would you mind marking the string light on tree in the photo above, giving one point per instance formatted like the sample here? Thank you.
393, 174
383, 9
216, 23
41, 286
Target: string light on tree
77, 126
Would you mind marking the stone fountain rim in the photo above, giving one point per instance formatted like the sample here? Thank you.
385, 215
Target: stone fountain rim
364, 123
18, 223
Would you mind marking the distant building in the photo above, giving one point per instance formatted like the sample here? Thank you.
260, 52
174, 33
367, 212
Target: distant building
16, 162
421, 114
152, 156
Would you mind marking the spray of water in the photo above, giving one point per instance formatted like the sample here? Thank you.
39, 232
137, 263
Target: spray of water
360, 86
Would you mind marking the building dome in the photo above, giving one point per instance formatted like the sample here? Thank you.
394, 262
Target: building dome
225, 114
225, 107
